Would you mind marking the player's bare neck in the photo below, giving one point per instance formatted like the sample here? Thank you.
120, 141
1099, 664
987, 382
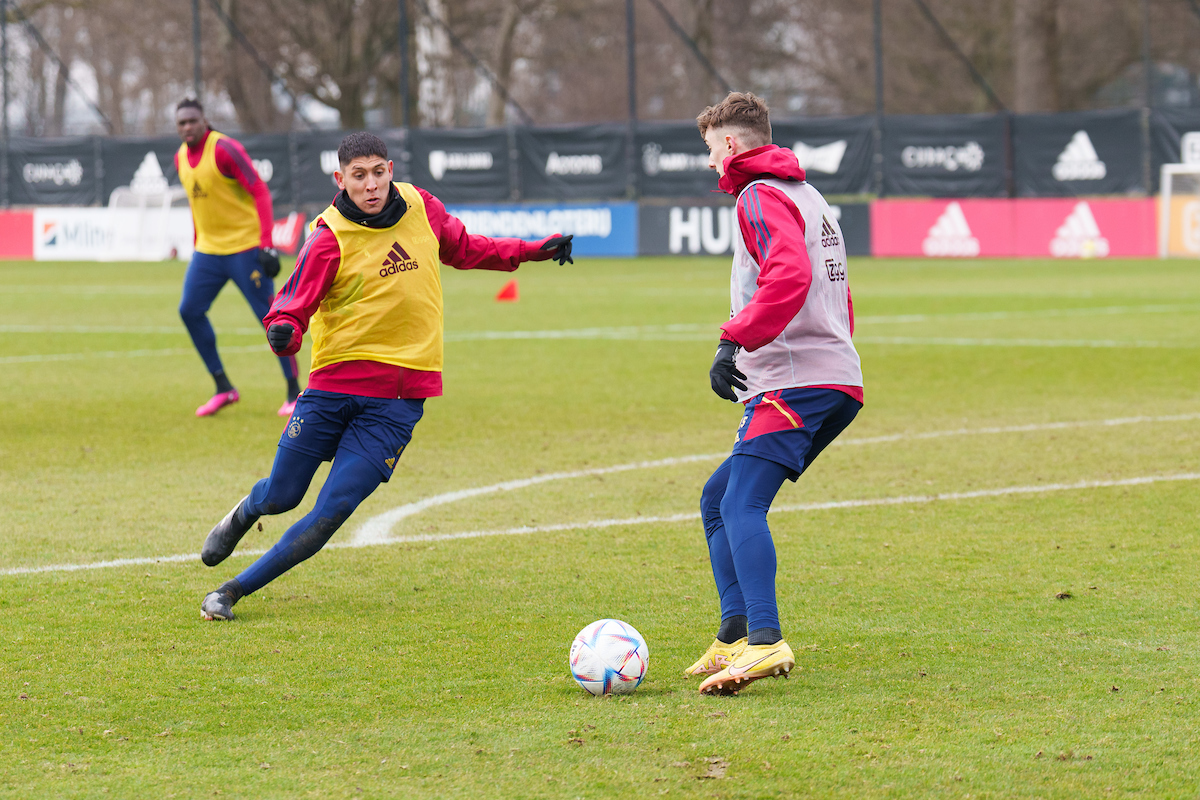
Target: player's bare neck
199, 145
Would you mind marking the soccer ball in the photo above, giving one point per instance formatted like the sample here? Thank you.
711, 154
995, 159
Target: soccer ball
609, 657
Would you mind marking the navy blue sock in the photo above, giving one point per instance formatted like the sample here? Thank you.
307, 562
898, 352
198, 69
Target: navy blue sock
732, 629
222, 381
350, 481
753, 483
765, 636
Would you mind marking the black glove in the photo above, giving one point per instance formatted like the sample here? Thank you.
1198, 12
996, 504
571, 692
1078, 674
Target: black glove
724, 374
268, 259
279, 335
561, 245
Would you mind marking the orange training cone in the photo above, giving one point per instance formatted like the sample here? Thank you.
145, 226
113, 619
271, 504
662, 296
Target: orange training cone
509, 293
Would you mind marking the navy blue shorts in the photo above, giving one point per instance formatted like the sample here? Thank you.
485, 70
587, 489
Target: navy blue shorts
792, 426
325, 424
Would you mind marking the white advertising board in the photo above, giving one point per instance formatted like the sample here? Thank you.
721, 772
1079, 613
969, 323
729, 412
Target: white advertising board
64, 233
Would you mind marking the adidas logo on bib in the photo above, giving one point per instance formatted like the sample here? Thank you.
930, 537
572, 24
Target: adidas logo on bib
1079, 161
829, 237
1079, 236
397, 261
950, 235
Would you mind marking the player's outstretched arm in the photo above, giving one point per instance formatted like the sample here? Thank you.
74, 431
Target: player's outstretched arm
463, 250
554, 248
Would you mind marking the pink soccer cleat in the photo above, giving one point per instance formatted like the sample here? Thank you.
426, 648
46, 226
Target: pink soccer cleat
217, 402
287, 408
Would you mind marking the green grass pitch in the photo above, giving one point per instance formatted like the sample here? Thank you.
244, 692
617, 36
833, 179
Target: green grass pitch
1039, 642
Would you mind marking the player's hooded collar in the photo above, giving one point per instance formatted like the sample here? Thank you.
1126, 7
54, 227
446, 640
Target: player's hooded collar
391, 213
768, 161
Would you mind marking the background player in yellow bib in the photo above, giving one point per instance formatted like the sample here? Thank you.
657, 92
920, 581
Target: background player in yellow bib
231, 212
367, 287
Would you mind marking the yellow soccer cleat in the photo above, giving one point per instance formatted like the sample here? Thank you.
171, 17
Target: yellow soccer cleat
716, 657
754, 662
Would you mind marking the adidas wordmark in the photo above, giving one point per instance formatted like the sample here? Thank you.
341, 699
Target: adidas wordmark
950, 235
1079, 161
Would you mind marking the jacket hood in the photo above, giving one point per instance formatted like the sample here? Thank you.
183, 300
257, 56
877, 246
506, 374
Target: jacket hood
768, 161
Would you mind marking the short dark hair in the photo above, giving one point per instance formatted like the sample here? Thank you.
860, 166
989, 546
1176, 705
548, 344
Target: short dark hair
360, 145
189, 102
741, 110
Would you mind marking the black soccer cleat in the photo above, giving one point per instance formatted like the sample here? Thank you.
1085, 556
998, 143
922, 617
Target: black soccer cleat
219, 604
224, 537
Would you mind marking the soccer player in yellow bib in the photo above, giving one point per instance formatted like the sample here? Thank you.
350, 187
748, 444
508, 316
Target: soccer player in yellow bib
231, 212
367, 288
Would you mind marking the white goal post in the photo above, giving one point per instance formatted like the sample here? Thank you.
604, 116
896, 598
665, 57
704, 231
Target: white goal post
1179, 211
149, 225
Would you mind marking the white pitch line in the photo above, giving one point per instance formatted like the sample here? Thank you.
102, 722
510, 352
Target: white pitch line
57, 288
117, 329
966, 342
173, 351
378, 528
1037, 426
671, 518
832, 505
982, 316
686, 332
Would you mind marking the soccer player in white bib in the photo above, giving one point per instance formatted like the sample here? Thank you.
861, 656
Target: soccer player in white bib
786, 355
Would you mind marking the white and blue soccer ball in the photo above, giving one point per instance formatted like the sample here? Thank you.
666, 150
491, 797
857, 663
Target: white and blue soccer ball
609, 657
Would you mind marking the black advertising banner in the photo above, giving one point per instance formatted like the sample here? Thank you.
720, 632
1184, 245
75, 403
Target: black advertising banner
317, 160
835, 152
144, 165
709, 229
673, 161
961, 155
461, 166
1078, 153
576, 163
52, 172
1174, 139
273, 162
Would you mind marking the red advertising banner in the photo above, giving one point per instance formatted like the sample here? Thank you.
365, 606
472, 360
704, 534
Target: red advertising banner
16, 234
1055, 228
1074, 228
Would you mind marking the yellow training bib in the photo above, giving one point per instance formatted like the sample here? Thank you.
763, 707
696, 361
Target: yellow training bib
385, 303
225, 215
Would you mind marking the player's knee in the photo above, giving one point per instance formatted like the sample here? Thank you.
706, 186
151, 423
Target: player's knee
710, 501
191, 312
283, 498
739, 514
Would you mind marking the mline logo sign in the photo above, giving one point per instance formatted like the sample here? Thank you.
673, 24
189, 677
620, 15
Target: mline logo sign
60, 235
441, 162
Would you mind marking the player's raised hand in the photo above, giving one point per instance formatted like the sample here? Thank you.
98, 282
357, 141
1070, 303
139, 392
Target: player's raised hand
280, 336
558, 247
268, 259
725, 375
